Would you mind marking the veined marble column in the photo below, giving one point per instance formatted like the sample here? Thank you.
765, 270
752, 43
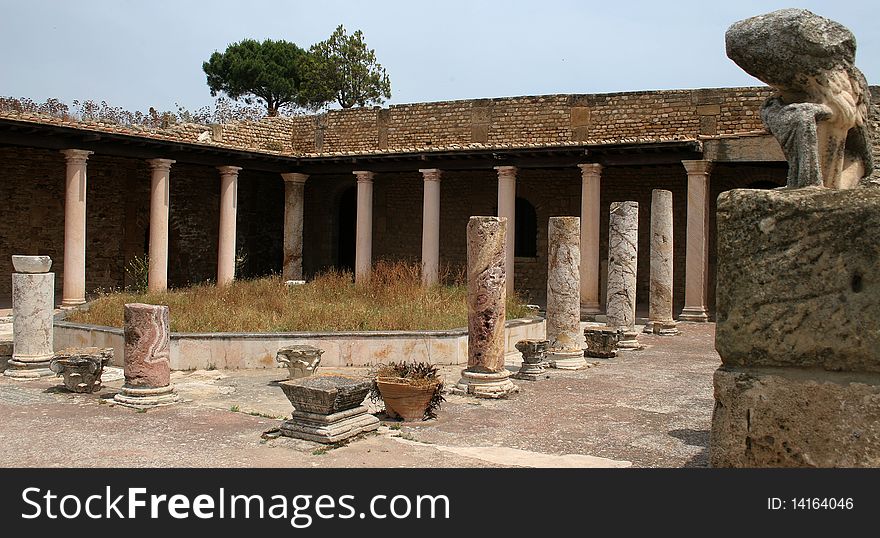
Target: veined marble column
363, 255
74, 278
566, 340
431, 226
294, 202
590, 214
157, 278
623, 250
228, 212
485, 375
660, 313
146, 360
697, 260
507, 209
33, 303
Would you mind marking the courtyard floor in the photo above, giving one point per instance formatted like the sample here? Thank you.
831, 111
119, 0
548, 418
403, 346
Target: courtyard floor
649, 408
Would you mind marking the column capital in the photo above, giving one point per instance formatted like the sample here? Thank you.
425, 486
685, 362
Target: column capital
229, 170
76, 156
294, 177
698, 167
364, 176
506, 171
160, 164
431, 174
590, 169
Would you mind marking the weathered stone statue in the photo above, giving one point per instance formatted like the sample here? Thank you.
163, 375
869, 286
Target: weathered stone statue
820, 111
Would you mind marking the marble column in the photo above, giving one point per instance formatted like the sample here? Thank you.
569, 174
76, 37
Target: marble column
590, 214
485, 375
33, 303
566, 340
363, 255
507, 209
228, 212
623, 250
146, 361
157, 277
294, 202
73, 291
660, 310
431, 226
697, 260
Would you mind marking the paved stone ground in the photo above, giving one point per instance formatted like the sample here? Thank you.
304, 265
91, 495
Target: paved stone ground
649, 408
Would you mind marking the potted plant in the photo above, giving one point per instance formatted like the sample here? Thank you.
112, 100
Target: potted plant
411, 391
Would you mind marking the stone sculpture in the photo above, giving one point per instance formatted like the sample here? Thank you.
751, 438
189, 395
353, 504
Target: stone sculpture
147, 368
81, 368
300, 360
820, 110
566, 348
33, 303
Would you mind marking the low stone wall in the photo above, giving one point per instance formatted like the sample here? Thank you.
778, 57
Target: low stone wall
194, 351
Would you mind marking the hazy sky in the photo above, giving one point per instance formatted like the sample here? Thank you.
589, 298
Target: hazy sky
137, 54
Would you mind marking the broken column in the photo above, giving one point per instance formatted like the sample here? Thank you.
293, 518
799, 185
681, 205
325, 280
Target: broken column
660, 300
623, 250
33, 303
566, 348
485, 375
147, 367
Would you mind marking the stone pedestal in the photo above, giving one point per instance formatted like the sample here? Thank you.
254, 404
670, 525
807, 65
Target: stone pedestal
623, 250
81, 368
566, 348
147, 370
660, 309
328, 408
534, 354
33, 303
300, 360
602, 343
797, 315
486, 376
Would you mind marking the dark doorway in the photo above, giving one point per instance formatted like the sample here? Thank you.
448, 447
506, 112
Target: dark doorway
347, 219
526, 232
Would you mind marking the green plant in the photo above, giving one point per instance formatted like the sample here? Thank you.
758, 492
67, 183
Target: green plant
138, 271
420, 374
235, 409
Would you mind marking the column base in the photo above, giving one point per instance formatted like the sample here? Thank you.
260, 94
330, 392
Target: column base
567, 360
590, 311
72, 303
24, 370
629, 341
485, 384
146, 398
531, 371
698, 314
330, 428
661, 328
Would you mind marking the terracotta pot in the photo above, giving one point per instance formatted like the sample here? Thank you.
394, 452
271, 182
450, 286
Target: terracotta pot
404, 400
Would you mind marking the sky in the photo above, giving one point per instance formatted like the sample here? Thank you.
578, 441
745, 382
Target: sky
137, 54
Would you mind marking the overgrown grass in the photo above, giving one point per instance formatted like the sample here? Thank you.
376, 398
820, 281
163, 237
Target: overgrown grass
393, 300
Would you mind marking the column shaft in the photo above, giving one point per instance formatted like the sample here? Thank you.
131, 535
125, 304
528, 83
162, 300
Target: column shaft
74, 279
696, 263
507, 209
157, 279
431, 227
228, 212
294, 202
590, 218
363, 257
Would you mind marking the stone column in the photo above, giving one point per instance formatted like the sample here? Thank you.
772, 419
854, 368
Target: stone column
485, 375
590, 213
228, 211
157, 278
697, 261
74, 278
660, 313
146, 359
431, 226
623, 250
294, 201
363, 256
33, 303
507, 209
566, 347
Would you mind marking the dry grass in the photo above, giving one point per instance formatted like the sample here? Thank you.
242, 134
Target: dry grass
393, 300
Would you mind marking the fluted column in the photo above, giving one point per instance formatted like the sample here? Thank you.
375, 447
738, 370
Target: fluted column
507, 209
591, 175
363, 256
74, 282
294, 196
157, 277
228, 211
697, 260
431, 226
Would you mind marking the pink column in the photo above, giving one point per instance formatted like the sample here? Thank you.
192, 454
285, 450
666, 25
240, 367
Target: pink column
591, 175
294, 196
74, 281
507, 208
226, 242
431, 226
363, 257
697, 261
157, 278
